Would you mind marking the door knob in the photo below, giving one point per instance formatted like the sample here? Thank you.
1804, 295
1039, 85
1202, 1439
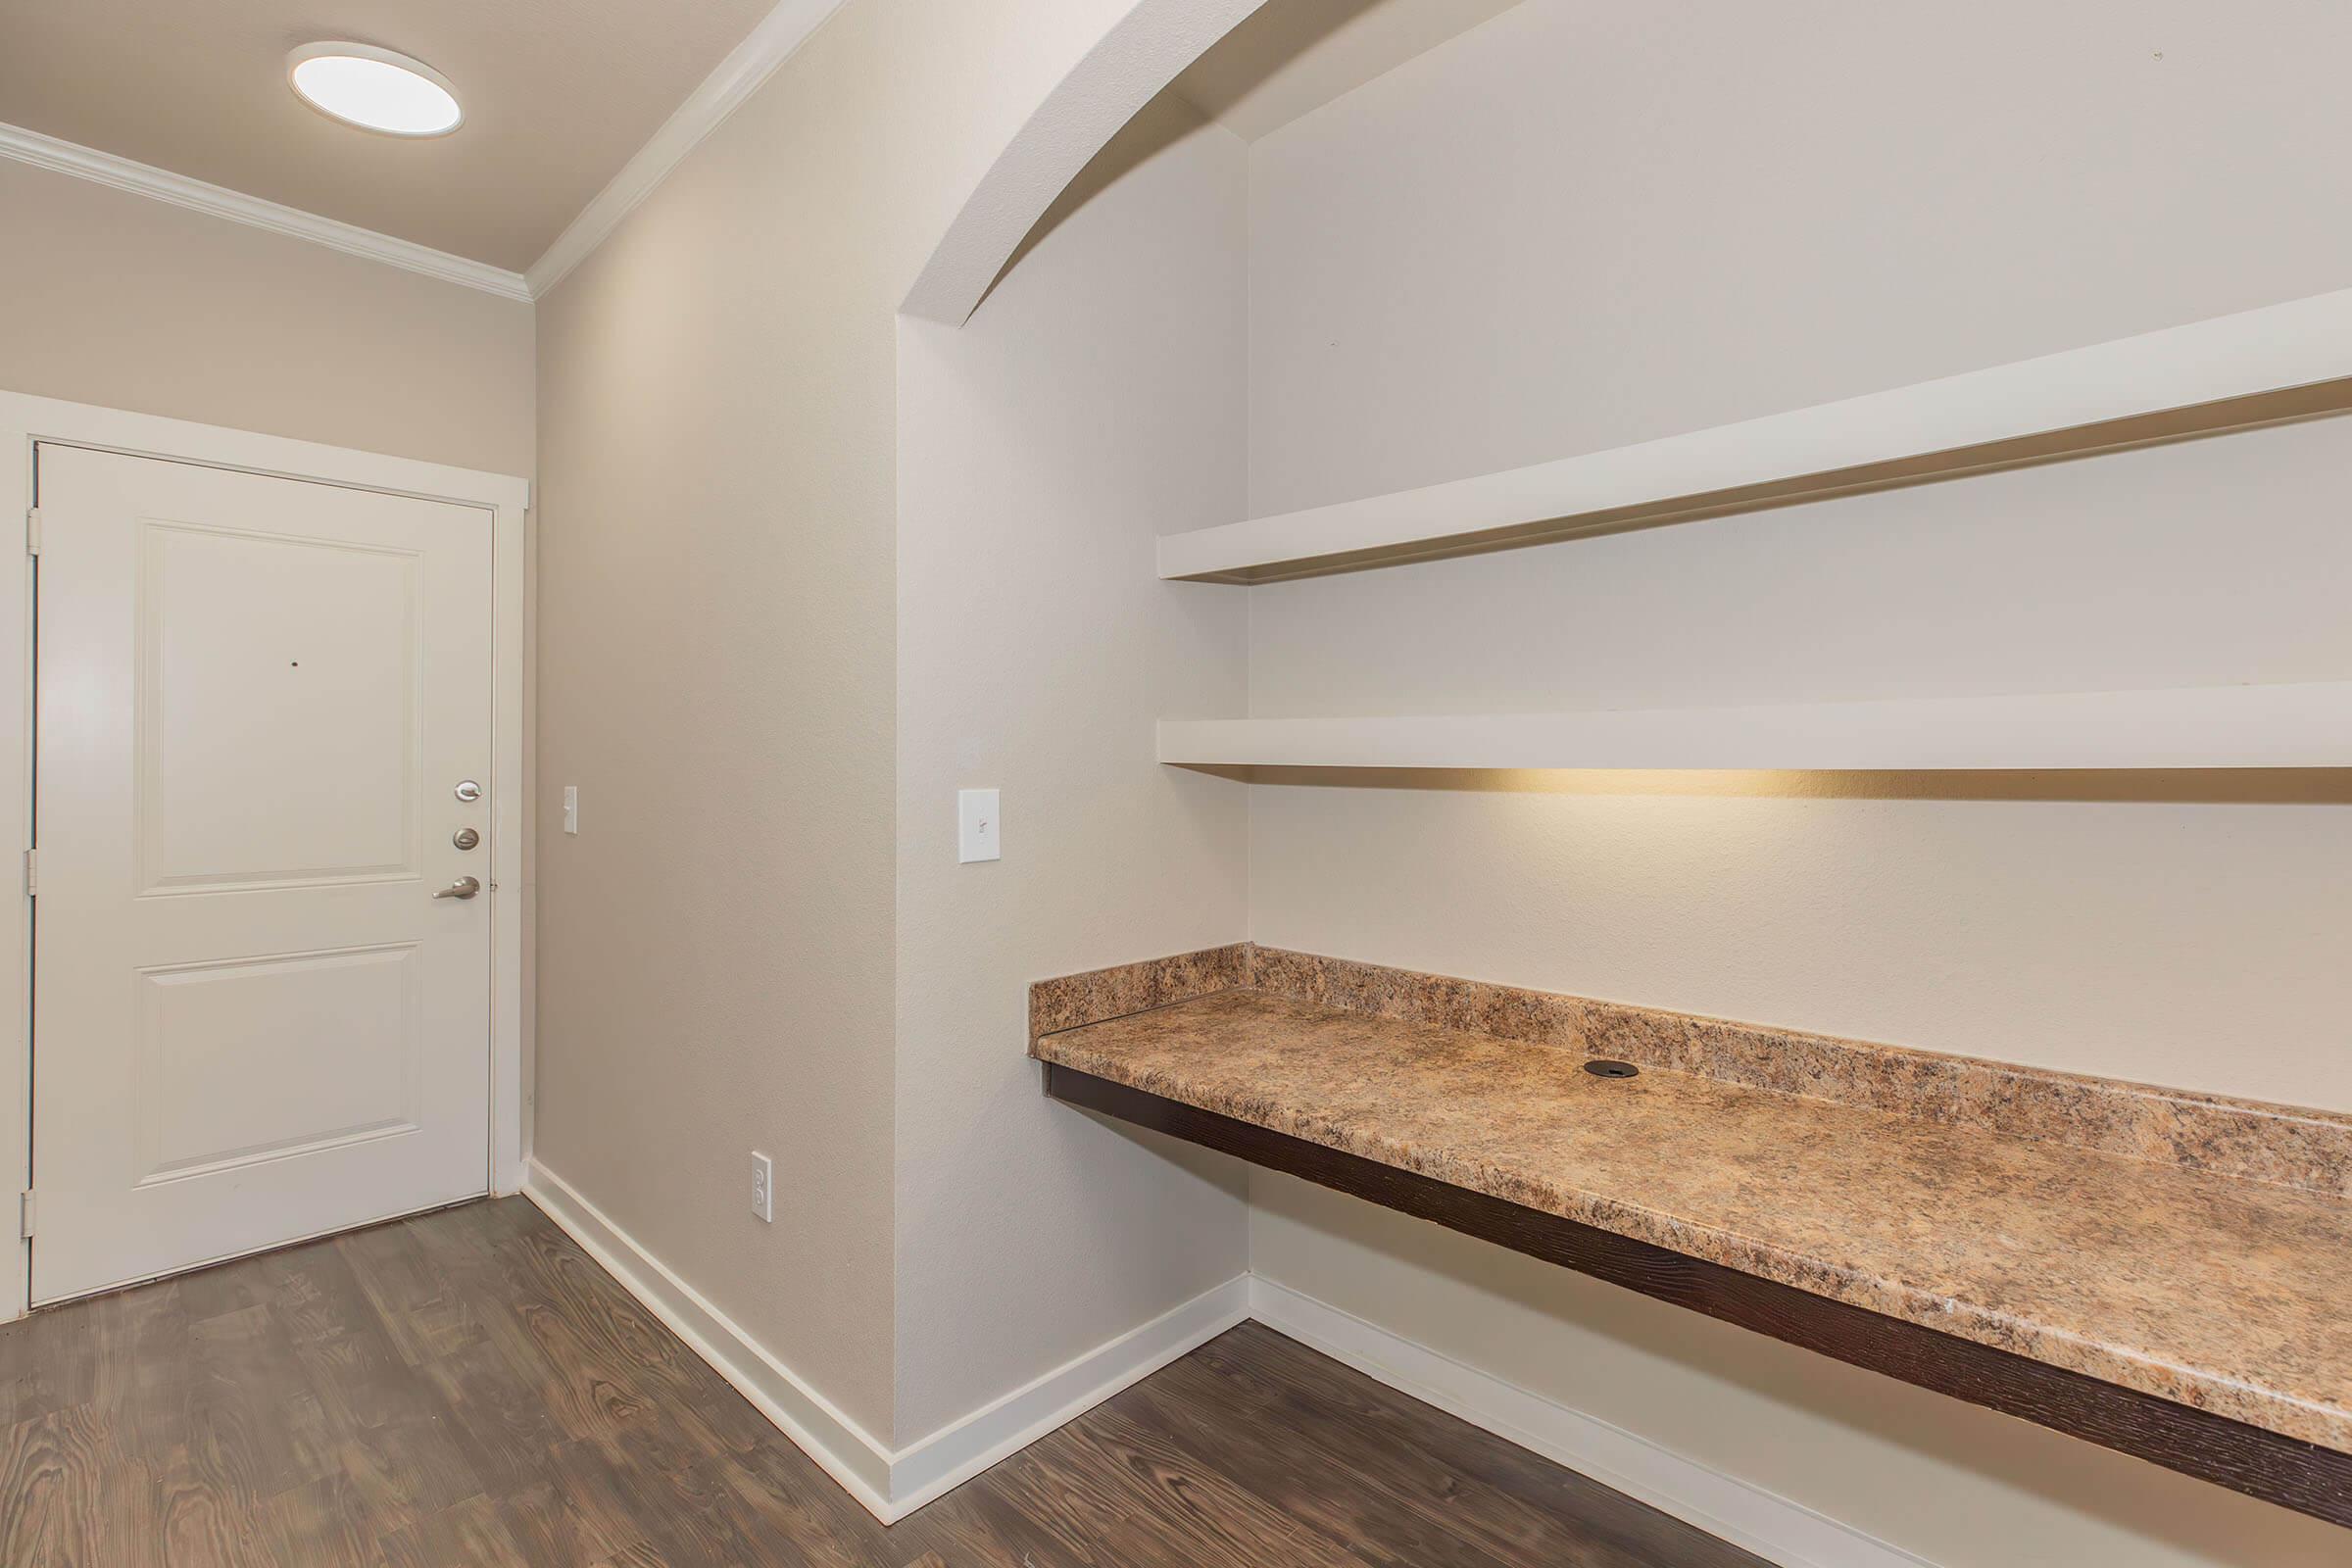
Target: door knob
464, 887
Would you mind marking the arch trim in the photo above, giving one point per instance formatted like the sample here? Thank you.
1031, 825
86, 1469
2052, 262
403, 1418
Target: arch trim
1142, 53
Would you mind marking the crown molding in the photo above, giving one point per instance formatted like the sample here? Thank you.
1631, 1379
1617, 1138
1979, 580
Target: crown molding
145, 179
778, 37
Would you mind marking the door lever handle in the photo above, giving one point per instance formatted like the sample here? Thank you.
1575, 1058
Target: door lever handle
464, 887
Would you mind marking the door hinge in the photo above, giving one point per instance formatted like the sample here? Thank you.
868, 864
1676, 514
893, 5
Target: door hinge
32, 872
32, 530
25, 1215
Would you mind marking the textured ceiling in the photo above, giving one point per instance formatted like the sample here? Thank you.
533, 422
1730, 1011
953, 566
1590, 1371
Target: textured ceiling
1294, 56
557, 95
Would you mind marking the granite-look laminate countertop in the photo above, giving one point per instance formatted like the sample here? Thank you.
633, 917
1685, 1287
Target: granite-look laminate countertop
2228, 1295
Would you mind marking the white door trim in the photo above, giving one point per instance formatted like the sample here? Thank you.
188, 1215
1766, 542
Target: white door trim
24, 420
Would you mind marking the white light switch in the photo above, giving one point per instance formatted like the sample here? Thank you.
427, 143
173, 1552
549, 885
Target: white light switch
975, 826
571, 808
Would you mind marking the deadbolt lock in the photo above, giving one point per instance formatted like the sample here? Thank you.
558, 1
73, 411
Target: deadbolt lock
468, 790
464, 837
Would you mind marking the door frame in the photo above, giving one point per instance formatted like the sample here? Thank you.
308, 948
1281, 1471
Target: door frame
26, 420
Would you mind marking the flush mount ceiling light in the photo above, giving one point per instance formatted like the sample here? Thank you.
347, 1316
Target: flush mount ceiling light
374, 89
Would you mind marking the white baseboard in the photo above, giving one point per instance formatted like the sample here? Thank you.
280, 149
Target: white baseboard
892, 1484
889, 1484
836, 1443
964, 1448
1747, 1516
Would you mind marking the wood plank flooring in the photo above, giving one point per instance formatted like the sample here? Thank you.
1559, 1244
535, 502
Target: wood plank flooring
469, 1389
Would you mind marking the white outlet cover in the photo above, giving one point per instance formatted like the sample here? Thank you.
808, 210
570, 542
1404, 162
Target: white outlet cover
976, 826
763, 1188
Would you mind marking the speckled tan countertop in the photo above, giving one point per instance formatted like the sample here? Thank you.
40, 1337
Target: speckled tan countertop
2228, 1295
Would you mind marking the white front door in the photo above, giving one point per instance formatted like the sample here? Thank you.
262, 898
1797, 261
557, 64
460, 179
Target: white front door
253, 1018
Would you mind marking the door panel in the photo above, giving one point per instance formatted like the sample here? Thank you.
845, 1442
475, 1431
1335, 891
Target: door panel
235, 734
209, 1031
253, 1021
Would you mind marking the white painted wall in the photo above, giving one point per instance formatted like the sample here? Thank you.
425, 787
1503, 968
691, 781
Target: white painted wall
1575, 227
1087, 408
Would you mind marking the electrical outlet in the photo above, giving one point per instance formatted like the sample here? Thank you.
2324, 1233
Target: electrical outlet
763, 1188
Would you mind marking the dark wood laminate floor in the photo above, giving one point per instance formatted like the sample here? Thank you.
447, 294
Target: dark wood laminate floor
469, 1389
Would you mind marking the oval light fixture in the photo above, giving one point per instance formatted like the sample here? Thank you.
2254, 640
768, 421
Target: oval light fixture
374, 89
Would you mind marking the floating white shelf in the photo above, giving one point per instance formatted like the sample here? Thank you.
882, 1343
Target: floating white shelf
2233, 372
2299, 726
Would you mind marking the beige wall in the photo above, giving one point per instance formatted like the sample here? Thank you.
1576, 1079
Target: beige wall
2160, 931
1570, 229
806, 569
1087, 407
716, 638
130, 303
1958, 1485
125, 302
1630, 221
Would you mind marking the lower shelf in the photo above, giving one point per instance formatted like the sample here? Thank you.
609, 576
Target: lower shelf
2278, 1469
2303, 725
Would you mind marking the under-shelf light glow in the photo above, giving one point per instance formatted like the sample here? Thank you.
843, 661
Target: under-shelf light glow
374, 89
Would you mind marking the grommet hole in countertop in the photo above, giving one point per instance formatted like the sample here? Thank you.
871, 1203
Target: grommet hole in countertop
1602, 1068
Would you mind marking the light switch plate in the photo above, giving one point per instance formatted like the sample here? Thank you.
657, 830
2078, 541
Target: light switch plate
975, 826
571, 808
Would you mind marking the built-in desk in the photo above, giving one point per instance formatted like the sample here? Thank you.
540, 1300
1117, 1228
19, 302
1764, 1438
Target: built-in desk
2146, 1301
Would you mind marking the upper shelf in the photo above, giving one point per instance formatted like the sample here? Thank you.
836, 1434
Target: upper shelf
2233, 372
2299, 726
